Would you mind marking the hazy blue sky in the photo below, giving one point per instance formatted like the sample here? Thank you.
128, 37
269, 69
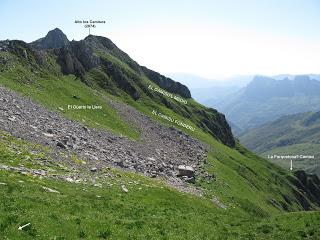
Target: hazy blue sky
209, 38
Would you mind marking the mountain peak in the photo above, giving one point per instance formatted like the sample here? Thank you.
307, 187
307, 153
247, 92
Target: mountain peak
302, 78
261, 78
54, 39
57, 32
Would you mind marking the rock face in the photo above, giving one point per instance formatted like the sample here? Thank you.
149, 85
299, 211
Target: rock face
77, 58
185, 171
54, 39
311, 184
216, 124
167, 83
69, 63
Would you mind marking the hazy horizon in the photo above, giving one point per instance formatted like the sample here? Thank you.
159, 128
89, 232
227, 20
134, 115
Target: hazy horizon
211, 39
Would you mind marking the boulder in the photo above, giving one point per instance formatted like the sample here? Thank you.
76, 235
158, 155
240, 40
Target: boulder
50, 190
124, 189
50, 131
61, 145
185, 171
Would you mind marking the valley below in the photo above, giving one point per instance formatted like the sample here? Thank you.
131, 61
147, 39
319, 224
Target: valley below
295, 135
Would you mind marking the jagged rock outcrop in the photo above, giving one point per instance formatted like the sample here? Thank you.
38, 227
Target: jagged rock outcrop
69, 63
216, 124
85, 54
167, 83
77, 58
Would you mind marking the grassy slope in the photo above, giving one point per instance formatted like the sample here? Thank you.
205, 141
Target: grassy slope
288, 135
150, 210
310, 165
151, 213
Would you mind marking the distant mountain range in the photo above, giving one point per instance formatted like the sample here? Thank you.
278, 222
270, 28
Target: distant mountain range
291, 77
197, 82
212, 96
297, 134
265, 99
210, 91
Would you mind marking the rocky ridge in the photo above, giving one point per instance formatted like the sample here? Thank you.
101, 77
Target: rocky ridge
98, 62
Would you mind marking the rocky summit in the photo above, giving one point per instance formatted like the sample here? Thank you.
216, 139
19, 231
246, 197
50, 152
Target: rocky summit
54, 39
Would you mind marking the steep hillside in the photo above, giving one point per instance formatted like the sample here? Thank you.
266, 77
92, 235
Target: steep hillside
84, 128
266, 99
297, 134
